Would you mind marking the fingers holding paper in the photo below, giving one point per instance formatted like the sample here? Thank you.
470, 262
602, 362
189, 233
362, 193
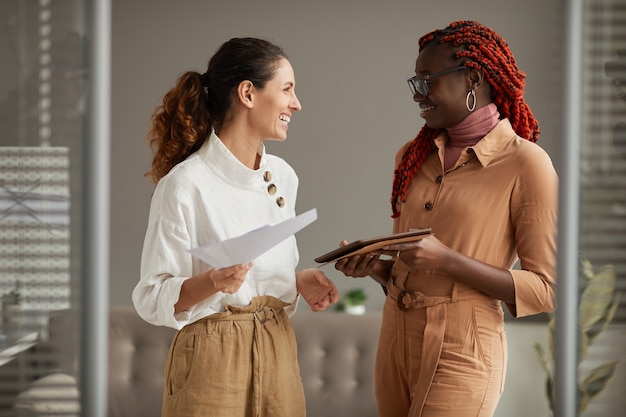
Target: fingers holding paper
202, 286
316, 289
229, 280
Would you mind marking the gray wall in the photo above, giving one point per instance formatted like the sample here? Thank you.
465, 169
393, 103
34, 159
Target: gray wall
351, 60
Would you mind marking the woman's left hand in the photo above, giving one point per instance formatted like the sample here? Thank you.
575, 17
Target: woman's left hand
316, 288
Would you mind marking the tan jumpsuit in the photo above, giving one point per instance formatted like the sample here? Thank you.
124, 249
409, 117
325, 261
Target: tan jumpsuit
442, 349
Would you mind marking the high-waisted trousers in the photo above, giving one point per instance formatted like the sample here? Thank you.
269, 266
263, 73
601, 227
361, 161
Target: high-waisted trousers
440, 356
239, 363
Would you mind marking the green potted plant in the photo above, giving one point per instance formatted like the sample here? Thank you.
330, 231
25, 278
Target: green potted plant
597, 306
353, 302
11, 305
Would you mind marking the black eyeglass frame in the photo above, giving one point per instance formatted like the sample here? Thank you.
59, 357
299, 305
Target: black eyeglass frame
419, 84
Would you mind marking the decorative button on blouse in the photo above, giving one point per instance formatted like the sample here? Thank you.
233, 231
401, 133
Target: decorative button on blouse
428, 206
271, 188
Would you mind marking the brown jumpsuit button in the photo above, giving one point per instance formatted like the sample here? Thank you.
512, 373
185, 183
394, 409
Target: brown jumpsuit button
271, 189
439, 179
428, 206
267, 176
280, 201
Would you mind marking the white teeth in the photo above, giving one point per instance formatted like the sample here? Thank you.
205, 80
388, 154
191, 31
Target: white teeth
426, 109
285, 118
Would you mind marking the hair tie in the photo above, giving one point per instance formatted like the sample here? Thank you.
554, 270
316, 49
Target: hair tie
204, 79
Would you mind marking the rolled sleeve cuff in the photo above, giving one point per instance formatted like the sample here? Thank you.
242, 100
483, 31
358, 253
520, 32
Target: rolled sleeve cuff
534, 294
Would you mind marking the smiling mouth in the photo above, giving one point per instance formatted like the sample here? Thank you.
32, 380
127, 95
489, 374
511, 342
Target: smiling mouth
425, 109
284, 118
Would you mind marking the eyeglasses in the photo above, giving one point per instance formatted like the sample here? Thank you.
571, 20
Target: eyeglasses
420, 84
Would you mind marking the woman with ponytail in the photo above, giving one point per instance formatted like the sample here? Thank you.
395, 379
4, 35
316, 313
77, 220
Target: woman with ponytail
235, 351
475, 177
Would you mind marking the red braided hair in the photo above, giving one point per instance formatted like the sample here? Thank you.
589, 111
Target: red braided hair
483, 49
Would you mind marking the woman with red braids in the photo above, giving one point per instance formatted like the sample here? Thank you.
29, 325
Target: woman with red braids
475, 177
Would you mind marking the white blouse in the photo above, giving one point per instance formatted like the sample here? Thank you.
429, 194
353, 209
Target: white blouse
212, 196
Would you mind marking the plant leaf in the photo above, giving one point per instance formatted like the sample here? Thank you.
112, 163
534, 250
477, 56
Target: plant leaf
597, 306
606, 320
550, 393
596, 381
587, 268
543, 359
596, 298
583, 345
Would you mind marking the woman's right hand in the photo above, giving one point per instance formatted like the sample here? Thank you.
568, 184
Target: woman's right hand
202, 286
228, 280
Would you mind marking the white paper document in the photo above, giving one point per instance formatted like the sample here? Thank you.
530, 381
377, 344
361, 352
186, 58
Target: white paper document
245, 248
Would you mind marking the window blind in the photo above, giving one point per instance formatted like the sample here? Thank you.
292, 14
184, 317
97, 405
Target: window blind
603, 163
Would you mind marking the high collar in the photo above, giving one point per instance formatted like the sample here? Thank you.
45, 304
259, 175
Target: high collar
226, 165
468, 132
471, 129
489, 146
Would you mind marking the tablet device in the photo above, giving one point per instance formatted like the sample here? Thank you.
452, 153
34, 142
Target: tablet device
367, 245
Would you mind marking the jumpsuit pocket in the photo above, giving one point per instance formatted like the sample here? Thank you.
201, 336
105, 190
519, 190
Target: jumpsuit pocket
503, 342
463, 342
182, 358
488, 321
473, 335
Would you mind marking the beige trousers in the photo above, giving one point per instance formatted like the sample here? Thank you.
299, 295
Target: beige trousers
240, 363
440, 356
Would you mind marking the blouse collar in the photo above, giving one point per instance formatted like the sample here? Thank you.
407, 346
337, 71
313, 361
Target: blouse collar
226, 165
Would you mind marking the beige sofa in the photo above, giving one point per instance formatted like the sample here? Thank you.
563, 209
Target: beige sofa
336, 354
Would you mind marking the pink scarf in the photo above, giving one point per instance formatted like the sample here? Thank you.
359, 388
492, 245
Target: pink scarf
469, 131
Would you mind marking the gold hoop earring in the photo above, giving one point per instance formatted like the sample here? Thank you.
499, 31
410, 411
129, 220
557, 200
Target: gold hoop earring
471, 94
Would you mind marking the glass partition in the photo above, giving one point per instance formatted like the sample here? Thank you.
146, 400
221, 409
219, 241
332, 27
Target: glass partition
603, 210
591, 320
43, 93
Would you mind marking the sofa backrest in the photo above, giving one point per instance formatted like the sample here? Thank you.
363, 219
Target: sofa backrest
336, 353
137, 354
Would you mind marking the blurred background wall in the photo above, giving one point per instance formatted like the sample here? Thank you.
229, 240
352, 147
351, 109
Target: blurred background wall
351, 59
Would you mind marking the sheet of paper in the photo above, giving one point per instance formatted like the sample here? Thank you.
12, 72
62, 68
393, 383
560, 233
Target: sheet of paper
245, 248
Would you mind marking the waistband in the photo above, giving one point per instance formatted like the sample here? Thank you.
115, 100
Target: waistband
409, 300
261, 309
